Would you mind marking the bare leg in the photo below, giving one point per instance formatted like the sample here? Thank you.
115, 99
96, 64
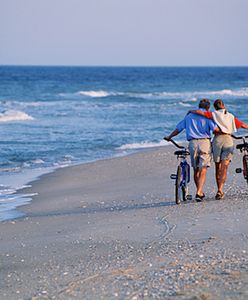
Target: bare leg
201, 180
223, 174
218, 174
196, 176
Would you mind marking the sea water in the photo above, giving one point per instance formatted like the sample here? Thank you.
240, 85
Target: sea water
52, 117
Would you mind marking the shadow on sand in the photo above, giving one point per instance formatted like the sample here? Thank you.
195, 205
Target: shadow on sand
95, 210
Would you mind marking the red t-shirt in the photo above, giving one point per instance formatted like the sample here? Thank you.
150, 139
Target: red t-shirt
209, 115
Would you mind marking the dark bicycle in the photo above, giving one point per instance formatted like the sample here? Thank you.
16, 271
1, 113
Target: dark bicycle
182, 177
243, 149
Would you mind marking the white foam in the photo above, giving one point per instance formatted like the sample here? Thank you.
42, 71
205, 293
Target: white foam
191, 96
14, 115
185, 104
94, 94
243, 92
37, 161
143, 145
10, 198
191, 99
194, 95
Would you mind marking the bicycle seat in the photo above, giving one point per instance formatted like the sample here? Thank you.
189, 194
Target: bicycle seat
242, 146
181, 152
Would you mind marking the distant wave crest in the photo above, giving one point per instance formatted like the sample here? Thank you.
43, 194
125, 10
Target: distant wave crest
94, 94
190, 96
14, 115
227, 92
100, 94
184, 104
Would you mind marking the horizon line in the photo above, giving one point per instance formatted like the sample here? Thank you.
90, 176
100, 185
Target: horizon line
124, 66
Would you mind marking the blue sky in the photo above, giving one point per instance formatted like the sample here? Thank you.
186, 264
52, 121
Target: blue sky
124, 32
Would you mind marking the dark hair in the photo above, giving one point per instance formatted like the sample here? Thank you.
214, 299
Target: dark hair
204, 103
219, 104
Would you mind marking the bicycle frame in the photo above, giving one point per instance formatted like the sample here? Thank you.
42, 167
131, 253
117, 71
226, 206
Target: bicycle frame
186, 170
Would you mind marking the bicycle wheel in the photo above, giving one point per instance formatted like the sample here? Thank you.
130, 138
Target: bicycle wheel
245, 167
184, 192
178, 194
185, 177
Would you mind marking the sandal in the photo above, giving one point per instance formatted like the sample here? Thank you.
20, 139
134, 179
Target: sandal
199, 198
219, 195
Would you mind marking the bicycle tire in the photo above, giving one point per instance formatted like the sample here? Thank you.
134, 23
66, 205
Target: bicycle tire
185, 189
245, 167
178, 185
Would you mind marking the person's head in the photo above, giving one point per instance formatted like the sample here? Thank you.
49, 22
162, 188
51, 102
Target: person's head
219, 104
205, 104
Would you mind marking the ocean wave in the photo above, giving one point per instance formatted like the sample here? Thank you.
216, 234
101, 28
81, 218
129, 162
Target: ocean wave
10, 169
195, 95
91, 94
142, 145
145, 95
243, 92
14, 115
188, 96
13, 105
184, 104
94, 94
5, 190
37, 161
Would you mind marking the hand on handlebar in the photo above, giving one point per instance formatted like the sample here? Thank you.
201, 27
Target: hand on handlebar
167, 138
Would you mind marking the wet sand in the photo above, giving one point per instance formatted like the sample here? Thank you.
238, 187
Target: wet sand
111, 230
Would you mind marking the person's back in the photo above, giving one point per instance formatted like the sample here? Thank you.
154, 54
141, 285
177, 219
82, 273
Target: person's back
225, 121
196, 126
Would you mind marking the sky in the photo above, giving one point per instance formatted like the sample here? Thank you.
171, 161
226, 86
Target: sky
124, 32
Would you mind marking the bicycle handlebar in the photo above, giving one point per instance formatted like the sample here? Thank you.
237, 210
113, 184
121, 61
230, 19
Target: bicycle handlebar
239, 137
173, 142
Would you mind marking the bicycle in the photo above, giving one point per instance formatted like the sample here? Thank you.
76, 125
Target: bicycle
182, 177
243, 149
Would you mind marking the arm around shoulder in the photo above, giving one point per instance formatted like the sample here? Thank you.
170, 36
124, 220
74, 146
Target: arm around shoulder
197, 112
244, 125
239, 124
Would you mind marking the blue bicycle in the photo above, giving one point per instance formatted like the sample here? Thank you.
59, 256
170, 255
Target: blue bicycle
182, 177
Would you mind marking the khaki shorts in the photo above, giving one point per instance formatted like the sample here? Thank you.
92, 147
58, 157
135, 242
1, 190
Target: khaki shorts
200, 153
223, 147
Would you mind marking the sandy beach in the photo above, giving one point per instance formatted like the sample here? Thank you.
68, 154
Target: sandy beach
111, 230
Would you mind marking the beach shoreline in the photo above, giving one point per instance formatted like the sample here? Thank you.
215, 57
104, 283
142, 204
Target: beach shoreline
111, 230
17, 184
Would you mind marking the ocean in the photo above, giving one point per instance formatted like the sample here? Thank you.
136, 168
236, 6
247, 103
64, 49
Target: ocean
52, 117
